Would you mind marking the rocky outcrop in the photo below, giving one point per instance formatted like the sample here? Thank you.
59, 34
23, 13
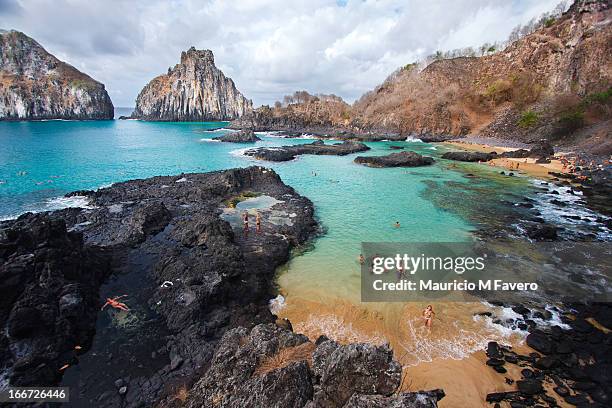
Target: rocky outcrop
286, 153
243, 136
49, 282
469, 156
189, 274
36, 85
402, 159
194, 90
273, 367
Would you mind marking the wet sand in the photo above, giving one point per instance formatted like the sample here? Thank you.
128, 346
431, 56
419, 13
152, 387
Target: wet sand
450, 356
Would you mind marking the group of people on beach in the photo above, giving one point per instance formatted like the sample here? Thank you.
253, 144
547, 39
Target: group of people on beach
245, 222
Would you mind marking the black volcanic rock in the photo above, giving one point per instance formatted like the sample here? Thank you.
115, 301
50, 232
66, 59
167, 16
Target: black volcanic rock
243, 136
401, 159
286, 153
469, 156
272, 367
49, 282
163, 229
36, 85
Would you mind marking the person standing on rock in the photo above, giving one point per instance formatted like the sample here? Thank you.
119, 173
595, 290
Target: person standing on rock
245, 223
257, 222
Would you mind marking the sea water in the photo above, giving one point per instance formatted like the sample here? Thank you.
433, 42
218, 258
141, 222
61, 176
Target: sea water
42, 161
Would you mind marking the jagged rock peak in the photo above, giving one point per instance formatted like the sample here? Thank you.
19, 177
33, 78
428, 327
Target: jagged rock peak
37, 85
194, 90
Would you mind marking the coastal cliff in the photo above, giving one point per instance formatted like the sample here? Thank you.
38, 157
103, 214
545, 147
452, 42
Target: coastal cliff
553, 83
37, 85
194, 90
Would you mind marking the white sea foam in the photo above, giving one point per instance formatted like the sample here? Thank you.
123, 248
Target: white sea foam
209, 140
59, 203
336, 329
277, 304
413, 139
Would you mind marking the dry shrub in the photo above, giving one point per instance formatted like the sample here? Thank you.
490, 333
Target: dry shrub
182, 393
286, 356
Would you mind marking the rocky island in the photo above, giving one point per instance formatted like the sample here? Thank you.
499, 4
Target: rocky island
36, 85
194, 90
243, 136
286, 153
402, 159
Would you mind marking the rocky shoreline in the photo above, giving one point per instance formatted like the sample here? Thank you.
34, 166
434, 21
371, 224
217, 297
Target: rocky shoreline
243, 136
197, 288
204, 278
286, 153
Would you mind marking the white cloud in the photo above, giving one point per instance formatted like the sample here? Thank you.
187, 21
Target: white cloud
269, 47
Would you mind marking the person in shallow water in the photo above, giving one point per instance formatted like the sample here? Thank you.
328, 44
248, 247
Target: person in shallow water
361, 259
257, 221
245, 222
428, 315
397, 224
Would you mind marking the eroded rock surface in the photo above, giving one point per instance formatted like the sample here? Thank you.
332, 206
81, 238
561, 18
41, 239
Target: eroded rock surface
273, 367
194, 90
37, 85
243, 136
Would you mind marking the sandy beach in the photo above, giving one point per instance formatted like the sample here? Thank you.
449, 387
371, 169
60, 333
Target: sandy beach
526, 166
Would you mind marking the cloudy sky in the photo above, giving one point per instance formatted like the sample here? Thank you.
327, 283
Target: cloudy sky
269, 47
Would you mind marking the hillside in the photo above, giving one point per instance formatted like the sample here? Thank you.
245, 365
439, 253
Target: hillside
36, 85
550, 83
553, 83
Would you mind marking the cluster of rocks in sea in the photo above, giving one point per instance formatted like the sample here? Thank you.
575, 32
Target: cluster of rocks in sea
570, 364
318, 147
242, 136
401, 159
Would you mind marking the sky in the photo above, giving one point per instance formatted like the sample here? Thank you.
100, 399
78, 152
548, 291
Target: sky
270, 48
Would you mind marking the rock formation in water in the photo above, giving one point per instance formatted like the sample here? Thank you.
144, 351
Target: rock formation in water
36, 85
402, 159
194, 90
243, 136
286, 153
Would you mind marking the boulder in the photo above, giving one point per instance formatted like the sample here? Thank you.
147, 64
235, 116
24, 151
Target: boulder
469, 156
243, 136
402, 159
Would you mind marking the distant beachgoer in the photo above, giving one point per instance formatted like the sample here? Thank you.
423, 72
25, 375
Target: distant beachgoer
257, 222
397, 224
428, 315
361, 259
245, 222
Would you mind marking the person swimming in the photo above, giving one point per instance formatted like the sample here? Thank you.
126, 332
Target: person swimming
397, 224
428, 315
